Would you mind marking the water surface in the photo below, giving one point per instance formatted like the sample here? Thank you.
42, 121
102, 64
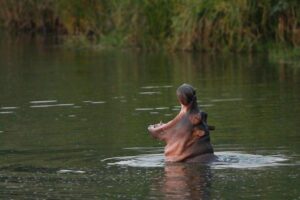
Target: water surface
72, 122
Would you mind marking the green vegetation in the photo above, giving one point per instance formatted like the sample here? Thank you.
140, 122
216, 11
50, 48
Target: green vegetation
285, 54
194, 25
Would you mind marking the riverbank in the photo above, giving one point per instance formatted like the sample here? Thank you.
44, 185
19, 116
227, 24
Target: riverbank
284, 55
274, 52
210, 26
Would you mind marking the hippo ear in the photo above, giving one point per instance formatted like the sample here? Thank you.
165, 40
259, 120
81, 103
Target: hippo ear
204, 116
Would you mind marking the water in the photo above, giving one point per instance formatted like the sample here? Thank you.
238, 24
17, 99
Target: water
73, 124
225, 159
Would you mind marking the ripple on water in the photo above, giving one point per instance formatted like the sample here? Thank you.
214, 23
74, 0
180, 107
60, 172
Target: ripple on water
69, 171
143, 160
240, 160
94, 102
206, 105
149, 93
9, 108
162, 108
154, 113
6, 112
118, 97
227, 159
155, 87
52, 105
43, 101
144, 109
229, 99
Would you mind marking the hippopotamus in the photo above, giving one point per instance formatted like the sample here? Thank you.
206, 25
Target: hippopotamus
187, 136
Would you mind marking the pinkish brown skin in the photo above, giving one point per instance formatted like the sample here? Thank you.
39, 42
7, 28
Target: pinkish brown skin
183, 142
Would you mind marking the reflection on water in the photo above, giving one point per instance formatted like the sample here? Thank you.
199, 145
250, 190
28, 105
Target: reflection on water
43, 101
182, 181
9, 108
63, 171
52, 105
6, 112
226, 159
94, 102
156, 87
194, 182
63, 112
231, 99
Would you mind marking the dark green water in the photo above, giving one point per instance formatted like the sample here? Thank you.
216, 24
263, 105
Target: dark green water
73, 124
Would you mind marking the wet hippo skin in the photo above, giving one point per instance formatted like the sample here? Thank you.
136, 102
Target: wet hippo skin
187, 138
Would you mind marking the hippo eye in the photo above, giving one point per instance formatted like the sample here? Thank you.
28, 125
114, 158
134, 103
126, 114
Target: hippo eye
198, 133
195, 119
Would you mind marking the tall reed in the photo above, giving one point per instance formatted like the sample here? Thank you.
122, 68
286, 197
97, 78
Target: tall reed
195, 25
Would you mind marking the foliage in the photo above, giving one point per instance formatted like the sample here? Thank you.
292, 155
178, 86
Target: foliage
203, 25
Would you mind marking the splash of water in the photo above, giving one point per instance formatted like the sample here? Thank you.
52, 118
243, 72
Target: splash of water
226, 159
